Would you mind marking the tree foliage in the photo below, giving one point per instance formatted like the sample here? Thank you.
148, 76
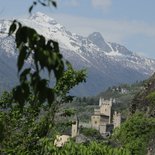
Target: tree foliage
135, 134
45, 3
93, 148
27, 113
143, 100
22, 130
44, 55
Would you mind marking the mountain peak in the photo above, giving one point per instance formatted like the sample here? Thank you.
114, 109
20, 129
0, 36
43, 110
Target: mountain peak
98, 40
40, 14
107, 63
41, 17
95, 35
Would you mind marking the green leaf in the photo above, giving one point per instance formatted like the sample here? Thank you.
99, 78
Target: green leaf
54, 4
34, 3
17, 95
12, 27
21, 57
43, 4
30, 8
50, 96
56, 46
24, 74
69, 112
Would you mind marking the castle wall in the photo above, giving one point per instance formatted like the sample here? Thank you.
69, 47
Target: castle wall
95, 121
102, 101
96, 111
106, 128
105, 109
104, 119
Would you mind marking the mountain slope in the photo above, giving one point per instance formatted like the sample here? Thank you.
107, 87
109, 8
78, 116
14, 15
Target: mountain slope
107, 63
8, 69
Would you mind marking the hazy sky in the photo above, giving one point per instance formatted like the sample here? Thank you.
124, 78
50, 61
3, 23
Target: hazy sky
128, 22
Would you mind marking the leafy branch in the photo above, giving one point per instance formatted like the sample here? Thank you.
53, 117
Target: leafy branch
44, 54
45, 3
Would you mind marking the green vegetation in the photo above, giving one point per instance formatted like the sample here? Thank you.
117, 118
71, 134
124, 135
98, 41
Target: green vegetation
91, 133
82, 109
27, 113
143, 101
93, 148
22, 128
135, 134
123, 94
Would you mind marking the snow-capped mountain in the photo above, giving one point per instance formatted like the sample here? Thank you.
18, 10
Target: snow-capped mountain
107, 63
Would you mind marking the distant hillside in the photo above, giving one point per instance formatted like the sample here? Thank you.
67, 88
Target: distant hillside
129, 98
144, 101
123, 95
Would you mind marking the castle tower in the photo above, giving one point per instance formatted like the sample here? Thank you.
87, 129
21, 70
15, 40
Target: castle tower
102, 117
106, 109
117, 119
101, 101
75, 128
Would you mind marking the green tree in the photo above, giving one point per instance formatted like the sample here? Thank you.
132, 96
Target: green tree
22, 130
135, 134
27, 113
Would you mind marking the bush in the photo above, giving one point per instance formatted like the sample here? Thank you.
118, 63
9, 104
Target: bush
135, 133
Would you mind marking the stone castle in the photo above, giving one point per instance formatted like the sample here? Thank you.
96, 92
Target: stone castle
104, 119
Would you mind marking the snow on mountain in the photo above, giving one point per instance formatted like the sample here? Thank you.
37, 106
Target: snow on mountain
107, 63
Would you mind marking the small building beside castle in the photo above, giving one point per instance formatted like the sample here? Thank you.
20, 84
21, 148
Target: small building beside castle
61, 140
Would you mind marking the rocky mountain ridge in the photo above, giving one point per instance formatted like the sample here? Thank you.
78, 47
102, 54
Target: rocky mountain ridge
107, 63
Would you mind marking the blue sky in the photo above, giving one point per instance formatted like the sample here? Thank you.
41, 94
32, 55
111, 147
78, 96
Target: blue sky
128, 22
